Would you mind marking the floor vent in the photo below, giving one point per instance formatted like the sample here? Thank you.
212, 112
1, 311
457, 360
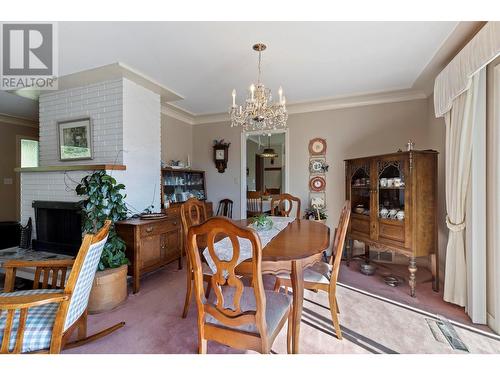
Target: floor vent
443, 331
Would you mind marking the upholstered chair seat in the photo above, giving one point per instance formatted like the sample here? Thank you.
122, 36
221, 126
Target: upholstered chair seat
277, 306
39, 323
319, 273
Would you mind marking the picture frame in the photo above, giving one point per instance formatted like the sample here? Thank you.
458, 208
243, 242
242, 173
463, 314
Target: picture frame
75, 139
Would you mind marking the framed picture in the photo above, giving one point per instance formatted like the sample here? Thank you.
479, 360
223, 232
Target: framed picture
75, 139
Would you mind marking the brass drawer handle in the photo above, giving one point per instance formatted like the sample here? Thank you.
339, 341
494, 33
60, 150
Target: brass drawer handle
149, 230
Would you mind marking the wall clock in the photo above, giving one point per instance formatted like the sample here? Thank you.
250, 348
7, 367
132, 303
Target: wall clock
221, 150
317, 146
317, 184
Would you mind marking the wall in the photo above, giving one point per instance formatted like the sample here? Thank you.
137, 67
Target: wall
141, 146
102, 102
8, 161
176, 139
219, 185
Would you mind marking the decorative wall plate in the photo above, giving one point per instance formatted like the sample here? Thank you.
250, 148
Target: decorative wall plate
317, 183
318, 165
317, 146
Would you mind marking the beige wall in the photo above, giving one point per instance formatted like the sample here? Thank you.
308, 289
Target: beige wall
176, 139
350, 132
8, 161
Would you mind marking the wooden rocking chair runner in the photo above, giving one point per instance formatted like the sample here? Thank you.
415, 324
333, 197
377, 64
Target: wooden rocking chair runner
241, 317
193, 212
322, 275
43, 320
280, 202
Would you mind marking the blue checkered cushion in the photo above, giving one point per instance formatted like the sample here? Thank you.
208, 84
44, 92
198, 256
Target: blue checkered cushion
80, 296
39, 323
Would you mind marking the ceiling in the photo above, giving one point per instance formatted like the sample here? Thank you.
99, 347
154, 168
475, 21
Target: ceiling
204, 61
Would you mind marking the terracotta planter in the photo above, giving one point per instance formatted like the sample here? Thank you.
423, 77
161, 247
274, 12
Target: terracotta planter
108, 290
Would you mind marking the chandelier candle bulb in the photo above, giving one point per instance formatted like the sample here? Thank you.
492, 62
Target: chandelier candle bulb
280, 93
252, 90
234, 98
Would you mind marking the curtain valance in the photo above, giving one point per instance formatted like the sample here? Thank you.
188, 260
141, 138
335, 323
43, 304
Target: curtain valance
457, 76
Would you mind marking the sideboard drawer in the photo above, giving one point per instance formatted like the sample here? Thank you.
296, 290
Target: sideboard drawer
156, 228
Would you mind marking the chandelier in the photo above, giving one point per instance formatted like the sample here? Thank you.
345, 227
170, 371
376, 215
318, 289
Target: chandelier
259, 112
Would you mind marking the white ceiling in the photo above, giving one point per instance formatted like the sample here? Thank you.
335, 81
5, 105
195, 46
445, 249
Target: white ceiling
204, 61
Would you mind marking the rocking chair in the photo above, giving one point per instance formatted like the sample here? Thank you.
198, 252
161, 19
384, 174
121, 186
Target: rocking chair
43, 320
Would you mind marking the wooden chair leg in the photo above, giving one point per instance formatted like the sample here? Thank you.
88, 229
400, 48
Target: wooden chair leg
202, 345
82, 327
289, 332
337, 305
335, 317
277, 285
189, 292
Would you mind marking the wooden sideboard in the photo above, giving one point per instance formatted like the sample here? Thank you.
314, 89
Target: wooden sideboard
401, 181
152, 244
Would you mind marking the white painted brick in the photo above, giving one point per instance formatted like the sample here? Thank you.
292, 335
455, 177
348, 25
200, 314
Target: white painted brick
102, 102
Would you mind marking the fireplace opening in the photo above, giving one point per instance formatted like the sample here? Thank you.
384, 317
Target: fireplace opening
58, 227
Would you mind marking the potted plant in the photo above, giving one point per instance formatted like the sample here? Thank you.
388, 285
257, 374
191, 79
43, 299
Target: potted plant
104, 200
262, 222
316, 214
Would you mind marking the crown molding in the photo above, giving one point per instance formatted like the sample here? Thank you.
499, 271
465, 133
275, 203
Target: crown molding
180, 114
20, 121
106, 73
339, 102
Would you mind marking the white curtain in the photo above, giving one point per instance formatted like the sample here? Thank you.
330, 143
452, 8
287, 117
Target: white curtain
459, 127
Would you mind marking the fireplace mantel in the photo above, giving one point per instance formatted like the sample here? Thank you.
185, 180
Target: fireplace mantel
63, 168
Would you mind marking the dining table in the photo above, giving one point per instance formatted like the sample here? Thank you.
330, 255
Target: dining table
299, 245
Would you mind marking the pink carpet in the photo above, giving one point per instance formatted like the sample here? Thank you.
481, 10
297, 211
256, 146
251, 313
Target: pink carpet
426, 299
369, 325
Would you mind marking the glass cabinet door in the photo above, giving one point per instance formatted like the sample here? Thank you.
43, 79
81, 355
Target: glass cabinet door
391, 190
360, 189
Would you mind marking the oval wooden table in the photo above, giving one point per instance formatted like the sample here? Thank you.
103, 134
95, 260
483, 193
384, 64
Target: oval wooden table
296, 247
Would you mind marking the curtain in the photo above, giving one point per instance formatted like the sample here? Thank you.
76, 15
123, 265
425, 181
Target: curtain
459, 126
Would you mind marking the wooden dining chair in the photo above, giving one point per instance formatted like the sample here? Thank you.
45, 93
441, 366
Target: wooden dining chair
193, 212
282, 205
43, 320
254, 203
225, 208
238, 316
324, 275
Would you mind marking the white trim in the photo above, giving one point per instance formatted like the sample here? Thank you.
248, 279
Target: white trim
15, 120
107, 73
347, 101
178, 113
243, 166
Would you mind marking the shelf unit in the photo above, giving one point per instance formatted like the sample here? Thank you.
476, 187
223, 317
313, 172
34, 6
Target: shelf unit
178, 185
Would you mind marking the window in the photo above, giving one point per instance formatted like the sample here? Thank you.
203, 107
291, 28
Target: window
29, 153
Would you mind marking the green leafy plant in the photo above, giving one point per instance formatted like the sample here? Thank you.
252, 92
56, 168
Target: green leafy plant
262, 221
315, 214
104, 201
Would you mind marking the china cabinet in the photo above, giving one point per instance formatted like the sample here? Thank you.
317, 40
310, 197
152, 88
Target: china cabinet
394, 201
178, 185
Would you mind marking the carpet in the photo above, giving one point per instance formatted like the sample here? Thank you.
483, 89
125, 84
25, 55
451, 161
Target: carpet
154, 325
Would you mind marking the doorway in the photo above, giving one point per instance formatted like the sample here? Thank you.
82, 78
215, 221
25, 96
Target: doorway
264, 165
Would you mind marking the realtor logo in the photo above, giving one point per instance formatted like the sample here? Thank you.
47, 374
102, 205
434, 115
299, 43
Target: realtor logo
28, 56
